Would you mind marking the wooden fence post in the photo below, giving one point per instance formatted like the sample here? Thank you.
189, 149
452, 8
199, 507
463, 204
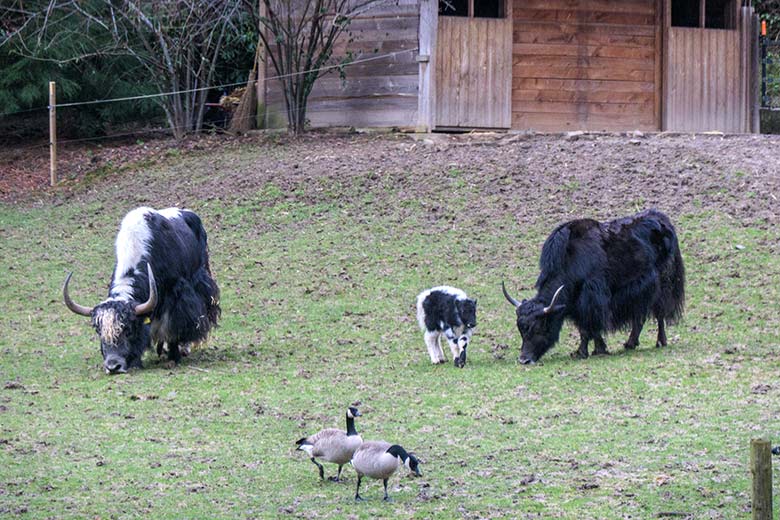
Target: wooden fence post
761, 468
53, 132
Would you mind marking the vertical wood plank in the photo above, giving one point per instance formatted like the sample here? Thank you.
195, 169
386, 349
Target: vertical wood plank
670, 82
491, 86
427, 47
659, 30
704, 69
665, 76
731, 92
504, 72
463, 42
719, 106
755, 125
690, 58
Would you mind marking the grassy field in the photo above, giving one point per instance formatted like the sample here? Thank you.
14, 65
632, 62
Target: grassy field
319, 275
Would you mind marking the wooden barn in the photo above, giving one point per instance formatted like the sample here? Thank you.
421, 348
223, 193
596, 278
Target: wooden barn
546, 65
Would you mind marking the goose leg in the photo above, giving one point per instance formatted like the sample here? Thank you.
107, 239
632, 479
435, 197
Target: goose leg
337, 478
319, 466
387, 498
357, 490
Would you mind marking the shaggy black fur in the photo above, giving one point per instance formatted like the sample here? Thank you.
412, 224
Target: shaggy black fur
444, 307
614, 275
187, 295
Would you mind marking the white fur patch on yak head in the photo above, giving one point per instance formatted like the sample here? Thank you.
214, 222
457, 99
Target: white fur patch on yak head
120, 325
123, 335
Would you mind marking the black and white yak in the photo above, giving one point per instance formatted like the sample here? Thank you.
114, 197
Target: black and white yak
162, 289
449, 312
603, 277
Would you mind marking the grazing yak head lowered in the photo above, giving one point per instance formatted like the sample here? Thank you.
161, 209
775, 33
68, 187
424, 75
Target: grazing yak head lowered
121, 325
161, 291
603, 277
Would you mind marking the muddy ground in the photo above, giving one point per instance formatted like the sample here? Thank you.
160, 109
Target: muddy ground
594, 174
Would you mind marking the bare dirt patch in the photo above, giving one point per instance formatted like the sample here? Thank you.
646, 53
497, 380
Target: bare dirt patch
595, 174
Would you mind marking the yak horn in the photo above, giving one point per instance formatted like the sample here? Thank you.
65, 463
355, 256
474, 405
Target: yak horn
75, 307
555, 297
148, 306
509, 298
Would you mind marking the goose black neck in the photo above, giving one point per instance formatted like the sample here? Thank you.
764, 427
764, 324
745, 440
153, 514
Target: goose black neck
397, 451
351, 426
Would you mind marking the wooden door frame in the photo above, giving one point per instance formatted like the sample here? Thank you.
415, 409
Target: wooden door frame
426, 54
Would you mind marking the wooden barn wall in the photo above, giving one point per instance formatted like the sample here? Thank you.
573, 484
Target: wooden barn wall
376, 93
585, 65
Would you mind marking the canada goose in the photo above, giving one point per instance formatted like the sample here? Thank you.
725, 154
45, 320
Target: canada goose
379, 459
333, 445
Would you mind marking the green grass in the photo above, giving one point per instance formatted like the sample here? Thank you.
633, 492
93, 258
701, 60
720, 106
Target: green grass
318, 286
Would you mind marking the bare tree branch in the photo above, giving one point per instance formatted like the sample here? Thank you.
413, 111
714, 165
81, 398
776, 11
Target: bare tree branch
300, 38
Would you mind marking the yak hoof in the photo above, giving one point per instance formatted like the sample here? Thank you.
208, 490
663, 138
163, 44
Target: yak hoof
659, 344
579, 355
630, 346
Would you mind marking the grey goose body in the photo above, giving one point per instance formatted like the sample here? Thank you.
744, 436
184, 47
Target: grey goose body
379, 460
333, 445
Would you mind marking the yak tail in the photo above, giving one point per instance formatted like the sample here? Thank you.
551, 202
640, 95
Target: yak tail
205, 285
671, 303
678, 287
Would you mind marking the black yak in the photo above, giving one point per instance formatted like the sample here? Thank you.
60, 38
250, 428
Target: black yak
446, 311
603, 277
162, 289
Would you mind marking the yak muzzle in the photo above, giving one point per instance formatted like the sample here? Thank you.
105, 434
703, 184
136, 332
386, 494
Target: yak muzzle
524, 360
115, 366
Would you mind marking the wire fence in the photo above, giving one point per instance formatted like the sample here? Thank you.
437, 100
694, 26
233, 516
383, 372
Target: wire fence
770, 73
229, 85
161, 125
